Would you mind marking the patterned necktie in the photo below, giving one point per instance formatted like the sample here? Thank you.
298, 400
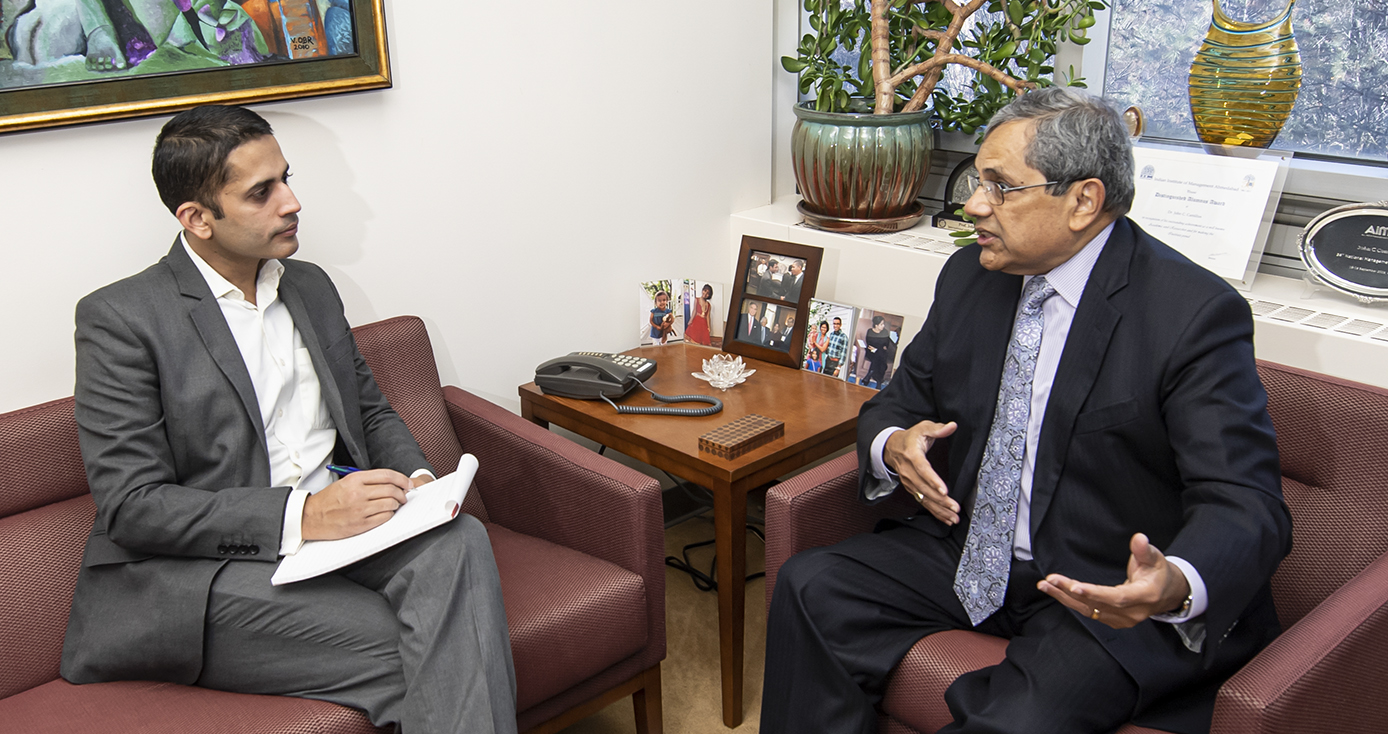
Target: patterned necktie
981, 581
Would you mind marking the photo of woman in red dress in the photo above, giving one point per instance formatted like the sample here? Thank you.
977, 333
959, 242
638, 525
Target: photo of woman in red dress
697, 330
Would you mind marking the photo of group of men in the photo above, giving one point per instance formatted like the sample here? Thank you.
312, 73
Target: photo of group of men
775, 276
769, 325
853, 344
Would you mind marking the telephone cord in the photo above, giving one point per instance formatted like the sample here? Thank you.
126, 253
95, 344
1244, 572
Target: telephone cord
715, 405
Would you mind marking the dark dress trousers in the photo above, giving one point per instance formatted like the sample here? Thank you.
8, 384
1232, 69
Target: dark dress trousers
1156, 423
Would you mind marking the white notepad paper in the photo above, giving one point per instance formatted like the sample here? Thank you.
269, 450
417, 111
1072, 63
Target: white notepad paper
425, 508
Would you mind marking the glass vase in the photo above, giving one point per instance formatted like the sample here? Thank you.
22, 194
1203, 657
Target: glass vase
1245, 79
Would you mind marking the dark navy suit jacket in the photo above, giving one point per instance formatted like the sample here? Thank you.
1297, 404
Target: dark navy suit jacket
1156, 423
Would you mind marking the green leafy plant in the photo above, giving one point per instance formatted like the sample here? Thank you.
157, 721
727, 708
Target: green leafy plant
903, 47
964, 237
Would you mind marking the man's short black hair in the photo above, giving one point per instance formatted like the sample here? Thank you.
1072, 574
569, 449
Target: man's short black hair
190, 154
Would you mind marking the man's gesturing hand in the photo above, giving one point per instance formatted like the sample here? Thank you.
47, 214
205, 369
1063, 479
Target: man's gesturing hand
1154, 586
905, 451
354, 504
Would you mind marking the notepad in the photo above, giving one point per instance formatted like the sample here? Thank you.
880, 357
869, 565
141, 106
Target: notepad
425, 509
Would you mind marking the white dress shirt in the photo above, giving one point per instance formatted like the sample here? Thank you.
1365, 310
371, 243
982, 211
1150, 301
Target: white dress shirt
1069, 279
299, 431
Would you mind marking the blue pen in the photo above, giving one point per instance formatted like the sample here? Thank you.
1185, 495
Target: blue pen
342, 471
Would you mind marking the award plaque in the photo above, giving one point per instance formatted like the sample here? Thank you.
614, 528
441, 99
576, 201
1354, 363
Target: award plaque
1346, 248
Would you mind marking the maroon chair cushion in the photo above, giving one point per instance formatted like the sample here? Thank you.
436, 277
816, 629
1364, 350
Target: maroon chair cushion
570, 615
916, 693
143, 707
915, 700
40, 552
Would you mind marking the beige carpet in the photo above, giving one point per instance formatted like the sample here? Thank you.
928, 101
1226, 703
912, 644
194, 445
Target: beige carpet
690, 674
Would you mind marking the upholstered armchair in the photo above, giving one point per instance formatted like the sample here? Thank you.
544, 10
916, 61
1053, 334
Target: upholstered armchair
1328, 671
579, 541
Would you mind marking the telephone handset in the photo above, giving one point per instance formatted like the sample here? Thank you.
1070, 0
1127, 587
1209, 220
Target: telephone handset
604, 376
593, 375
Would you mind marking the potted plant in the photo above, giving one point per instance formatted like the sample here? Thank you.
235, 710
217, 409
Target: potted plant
861, 145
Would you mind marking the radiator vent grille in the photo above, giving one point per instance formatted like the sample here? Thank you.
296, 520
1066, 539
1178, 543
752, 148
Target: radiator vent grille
1326, 320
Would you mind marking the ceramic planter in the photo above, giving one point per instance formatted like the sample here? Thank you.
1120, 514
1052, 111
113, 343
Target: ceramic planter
860, 167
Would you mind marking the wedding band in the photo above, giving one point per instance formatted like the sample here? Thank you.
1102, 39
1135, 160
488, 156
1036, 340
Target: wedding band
1095, 615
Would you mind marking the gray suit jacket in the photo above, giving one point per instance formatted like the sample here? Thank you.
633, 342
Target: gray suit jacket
174, 447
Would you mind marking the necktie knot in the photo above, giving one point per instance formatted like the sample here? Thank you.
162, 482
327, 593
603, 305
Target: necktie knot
1035, 293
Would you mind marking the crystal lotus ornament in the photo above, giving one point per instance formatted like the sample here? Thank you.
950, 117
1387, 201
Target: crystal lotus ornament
724, 371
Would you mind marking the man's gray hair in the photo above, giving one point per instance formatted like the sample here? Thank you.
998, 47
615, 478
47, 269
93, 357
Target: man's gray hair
1078, 136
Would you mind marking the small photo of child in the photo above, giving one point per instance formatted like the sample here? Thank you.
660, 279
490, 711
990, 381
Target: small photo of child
662, 320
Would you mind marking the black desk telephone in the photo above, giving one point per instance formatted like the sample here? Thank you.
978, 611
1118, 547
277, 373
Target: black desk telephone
603, 376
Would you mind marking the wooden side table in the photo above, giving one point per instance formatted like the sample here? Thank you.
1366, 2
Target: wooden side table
820, 415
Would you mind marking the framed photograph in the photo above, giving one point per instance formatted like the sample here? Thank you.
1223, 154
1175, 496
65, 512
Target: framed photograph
772, 287
874, 347
151, 57
828, 335
662, 321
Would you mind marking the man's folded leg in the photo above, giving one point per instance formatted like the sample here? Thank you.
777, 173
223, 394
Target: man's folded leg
415, 635
455, 648
1055, 678
326, 638
842, 617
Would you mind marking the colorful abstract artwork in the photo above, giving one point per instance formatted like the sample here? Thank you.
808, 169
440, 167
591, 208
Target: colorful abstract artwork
64, 61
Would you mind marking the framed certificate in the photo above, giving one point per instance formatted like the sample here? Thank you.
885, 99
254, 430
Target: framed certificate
1215, 209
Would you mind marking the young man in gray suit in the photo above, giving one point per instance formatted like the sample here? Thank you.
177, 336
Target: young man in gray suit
213, 390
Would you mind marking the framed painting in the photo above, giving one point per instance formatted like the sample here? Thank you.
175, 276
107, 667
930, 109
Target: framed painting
64, 62
772, 288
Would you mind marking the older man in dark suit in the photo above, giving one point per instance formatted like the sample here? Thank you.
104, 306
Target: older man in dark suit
1112, 502
213, 390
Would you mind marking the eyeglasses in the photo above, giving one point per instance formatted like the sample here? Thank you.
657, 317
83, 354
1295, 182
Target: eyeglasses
997, 193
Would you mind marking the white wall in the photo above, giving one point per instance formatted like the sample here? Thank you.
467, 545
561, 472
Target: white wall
531, 164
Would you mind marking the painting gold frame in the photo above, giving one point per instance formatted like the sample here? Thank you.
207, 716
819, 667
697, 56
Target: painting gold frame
56, 105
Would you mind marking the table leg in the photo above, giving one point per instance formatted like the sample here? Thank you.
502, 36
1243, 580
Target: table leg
528, 413
730, 536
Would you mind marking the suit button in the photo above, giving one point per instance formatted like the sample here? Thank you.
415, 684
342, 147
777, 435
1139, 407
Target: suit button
255, 550
241, 550
222, 549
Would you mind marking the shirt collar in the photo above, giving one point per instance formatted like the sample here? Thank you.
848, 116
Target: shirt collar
267, 282
1070, 277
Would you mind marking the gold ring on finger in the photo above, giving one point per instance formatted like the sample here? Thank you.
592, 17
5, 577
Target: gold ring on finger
1095, 614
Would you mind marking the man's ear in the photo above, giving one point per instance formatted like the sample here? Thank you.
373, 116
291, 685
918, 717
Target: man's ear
196, 219
1088, 201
